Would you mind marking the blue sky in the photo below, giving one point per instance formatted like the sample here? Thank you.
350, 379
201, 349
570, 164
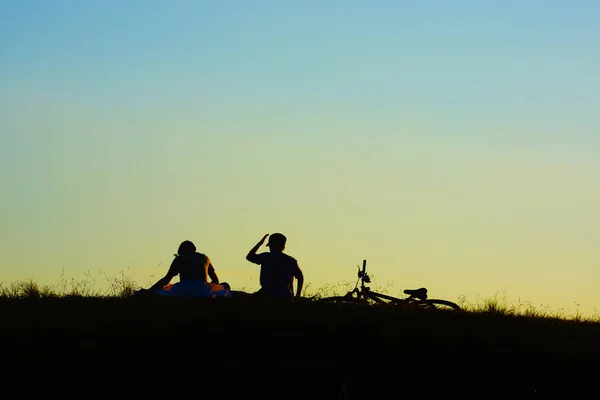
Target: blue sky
454, 144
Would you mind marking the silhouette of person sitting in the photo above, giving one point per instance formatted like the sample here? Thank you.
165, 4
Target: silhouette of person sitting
278, 269
190, 265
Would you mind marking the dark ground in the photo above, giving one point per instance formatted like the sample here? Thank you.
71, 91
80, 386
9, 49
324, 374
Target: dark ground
229, 349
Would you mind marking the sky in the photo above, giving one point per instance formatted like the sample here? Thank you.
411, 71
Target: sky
453, 145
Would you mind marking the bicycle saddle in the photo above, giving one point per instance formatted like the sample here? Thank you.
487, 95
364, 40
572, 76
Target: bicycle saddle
420, 293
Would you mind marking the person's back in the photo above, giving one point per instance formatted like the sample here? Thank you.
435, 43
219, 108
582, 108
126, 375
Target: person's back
192, 266
277, 273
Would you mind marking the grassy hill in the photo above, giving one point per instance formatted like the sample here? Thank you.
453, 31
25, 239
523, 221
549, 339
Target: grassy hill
82, 346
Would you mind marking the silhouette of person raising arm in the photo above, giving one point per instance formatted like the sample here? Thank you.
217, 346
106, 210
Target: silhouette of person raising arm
278, 269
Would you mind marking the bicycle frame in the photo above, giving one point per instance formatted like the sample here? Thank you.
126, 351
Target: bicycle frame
365, 292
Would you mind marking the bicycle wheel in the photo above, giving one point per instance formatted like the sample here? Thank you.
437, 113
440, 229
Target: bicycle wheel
335, 300
442, 304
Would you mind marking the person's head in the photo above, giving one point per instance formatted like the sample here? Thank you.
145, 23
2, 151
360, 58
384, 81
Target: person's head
277, 242
186, 247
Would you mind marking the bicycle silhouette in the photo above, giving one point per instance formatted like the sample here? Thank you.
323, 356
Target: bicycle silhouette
417, 298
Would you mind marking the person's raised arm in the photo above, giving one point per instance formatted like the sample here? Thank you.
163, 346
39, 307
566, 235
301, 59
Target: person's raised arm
211, 272
252, 256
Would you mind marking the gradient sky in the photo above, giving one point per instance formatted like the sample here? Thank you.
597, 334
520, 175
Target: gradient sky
452, 144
